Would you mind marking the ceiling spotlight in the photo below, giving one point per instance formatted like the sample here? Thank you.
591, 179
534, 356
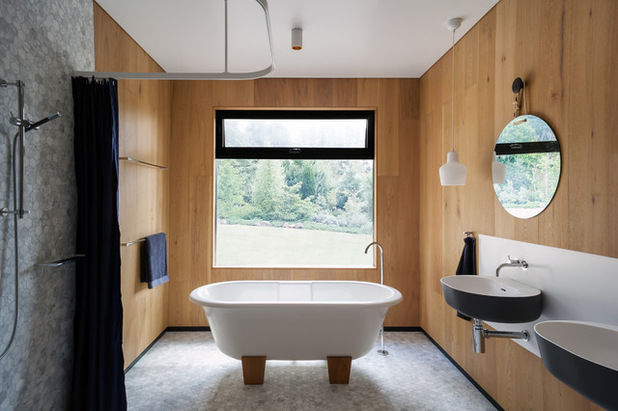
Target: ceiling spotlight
297, 39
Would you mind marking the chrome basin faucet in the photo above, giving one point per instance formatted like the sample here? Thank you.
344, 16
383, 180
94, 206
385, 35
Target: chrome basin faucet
512, 263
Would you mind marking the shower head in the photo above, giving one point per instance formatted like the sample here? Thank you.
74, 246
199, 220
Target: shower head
36, 125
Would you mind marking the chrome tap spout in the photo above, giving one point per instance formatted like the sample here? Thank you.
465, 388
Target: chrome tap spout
512, 263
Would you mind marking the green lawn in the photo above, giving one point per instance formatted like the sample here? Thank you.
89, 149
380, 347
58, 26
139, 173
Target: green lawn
239, 245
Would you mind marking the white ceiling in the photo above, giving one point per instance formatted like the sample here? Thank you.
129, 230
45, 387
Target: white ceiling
341, 38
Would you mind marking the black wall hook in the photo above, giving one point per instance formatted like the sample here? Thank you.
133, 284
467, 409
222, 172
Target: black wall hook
518, 84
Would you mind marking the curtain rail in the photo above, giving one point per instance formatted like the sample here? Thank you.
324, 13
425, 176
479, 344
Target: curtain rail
226, 75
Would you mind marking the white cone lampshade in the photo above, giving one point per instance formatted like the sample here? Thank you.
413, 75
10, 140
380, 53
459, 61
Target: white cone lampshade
453, 173
498, 170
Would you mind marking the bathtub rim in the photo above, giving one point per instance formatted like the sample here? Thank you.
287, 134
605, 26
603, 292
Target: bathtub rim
394, 299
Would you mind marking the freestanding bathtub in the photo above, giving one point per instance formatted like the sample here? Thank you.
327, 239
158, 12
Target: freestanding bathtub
295, 320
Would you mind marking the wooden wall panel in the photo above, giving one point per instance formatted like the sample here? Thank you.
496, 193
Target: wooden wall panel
566, 51
396, 103
144, 127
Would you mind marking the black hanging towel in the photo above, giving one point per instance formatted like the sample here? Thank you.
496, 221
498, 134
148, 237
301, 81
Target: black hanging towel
467, 263
154, 261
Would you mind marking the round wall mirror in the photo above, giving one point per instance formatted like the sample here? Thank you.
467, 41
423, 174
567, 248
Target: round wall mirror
526, 166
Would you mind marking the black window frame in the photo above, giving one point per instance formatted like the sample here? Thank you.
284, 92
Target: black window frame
295, 153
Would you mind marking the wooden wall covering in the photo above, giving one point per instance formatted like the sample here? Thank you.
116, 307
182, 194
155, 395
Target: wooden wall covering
191, 201
144, 127
567, 51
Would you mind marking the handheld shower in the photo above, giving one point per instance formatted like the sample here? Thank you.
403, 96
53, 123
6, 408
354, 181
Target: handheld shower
36, 125
29, 125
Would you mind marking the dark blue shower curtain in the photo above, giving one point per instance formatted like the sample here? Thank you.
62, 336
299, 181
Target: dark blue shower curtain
98, 370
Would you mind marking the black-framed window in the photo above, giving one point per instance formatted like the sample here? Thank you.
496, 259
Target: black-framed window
294, 188
295, 134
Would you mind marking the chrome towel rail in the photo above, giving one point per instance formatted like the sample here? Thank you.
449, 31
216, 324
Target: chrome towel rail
142, 163
141, 240
62, 261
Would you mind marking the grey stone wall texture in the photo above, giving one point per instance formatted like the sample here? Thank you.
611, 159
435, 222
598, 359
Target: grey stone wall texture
41, 43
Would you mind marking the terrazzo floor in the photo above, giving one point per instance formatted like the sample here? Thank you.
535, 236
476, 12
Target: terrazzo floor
185, 371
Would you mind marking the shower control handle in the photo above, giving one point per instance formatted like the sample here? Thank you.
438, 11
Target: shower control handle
5, 212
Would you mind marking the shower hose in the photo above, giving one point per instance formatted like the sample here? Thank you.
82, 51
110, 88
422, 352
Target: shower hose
16, 240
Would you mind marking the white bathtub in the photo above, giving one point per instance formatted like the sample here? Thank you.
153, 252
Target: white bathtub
295, 320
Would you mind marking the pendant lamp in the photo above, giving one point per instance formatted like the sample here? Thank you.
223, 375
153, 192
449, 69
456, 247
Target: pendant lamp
453, 173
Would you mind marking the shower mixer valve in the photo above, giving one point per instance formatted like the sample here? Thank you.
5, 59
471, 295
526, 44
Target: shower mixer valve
19, 121
15, 121
5, 212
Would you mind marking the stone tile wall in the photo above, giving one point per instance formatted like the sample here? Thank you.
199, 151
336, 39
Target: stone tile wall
41, 43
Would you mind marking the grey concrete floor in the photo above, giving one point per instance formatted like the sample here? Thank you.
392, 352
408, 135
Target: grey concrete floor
185, 371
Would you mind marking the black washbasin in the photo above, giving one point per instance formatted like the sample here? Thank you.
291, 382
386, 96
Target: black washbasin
492, 298
584, 356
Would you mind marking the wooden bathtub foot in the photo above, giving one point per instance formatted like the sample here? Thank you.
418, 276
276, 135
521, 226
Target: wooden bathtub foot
339, 369
253, 370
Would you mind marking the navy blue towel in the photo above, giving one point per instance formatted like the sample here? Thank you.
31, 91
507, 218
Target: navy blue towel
154, 261
467, 263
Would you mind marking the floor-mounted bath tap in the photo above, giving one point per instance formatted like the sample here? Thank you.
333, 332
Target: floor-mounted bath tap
381, 351
516, 262
381, 259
